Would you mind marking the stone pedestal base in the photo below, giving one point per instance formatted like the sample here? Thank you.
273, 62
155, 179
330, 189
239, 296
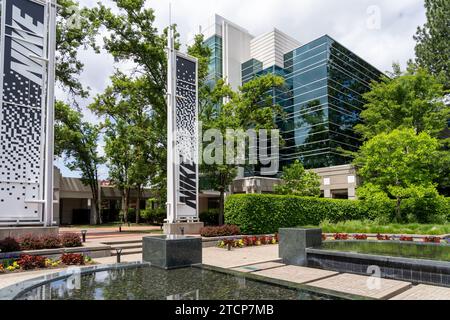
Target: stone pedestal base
189, 228
293, 244
171, 252
17, 232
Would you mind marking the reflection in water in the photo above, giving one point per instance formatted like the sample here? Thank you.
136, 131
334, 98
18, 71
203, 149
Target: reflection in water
147, 283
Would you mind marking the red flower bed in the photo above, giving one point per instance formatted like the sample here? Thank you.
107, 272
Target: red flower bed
406, 238
341, 236
222, 231
70, 240
360, 237
432, 239
28, 262
72, 259
30, 242
51, 241
324, 237
383, 237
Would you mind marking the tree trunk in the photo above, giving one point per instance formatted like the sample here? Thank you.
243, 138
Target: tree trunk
398, 214
138, 204
221, 207
125, 205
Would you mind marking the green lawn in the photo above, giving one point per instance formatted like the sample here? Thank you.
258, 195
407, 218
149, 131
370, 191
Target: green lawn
393, 228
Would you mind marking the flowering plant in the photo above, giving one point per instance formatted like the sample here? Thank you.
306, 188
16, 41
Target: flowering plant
2, 268
324, 237
432, 239
406, 238
360, 237
72, 259
341, 236
28, 262
383, 237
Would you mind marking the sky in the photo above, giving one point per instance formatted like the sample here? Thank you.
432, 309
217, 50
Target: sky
379, 31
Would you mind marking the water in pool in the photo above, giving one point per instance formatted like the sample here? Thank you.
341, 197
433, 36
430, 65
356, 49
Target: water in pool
147, 283
396, 249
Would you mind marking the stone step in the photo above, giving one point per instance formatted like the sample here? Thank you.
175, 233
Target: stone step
121, 242
127, 252
125, 246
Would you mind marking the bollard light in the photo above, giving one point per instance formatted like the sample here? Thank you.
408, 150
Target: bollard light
119, 253
83, 235
182, 231
120, 227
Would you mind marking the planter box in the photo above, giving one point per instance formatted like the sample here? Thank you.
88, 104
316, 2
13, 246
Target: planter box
171, 252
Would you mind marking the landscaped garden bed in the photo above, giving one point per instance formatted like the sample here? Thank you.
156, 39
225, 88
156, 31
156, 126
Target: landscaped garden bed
385, 237
32, 242
28, 262
248, 241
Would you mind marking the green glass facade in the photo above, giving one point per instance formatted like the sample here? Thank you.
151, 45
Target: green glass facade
322, 102
327, 82
215, 66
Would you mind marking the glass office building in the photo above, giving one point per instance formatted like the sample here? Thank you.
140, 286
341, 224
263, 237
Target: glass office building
215, 73
325, 83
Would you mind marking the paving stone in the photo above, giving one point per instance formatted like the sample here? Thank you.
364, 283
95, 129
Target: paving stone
424, 292
296, 274
259, 267
363, 285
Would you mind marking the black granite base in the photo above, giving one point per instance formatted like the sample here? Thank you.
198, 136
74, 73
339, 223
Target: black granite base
405, 269
172, 251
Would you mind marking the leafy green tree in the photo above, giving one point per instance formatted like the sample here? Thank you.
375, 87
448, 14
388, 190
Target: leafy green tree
222, 108
433, 41
78, 144
412, 100
400, 160
297, 181
74, 32
132, 148
132, 38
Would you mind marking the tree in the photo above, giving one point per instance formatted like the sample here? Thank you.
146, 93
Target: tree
221, 108
412, 100
78, 143
433, 41
133, 38
299, 182
399, 161
251, 107
73, 31
132, 148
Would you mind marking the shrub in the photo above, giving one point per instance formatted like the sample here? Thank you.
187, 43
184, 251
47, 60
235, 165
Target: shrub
210, 217
51, 241
30, 242
406, 238
28, 262
72, 259
432, 239
9, 245
225, 230
263, 213
154, 216
70, 240
360, 237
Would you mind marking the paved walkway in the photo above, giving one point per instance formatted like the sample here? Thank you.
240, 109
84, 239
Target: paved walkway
424, 292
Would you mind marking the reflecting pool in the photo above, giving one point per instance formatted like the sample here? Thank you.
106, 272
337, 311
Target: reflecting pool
392, 248
148, 283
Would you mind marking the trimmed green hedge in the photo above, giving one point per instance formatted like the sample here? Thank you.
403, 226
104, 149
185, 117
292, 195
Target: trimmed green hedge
263, 213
